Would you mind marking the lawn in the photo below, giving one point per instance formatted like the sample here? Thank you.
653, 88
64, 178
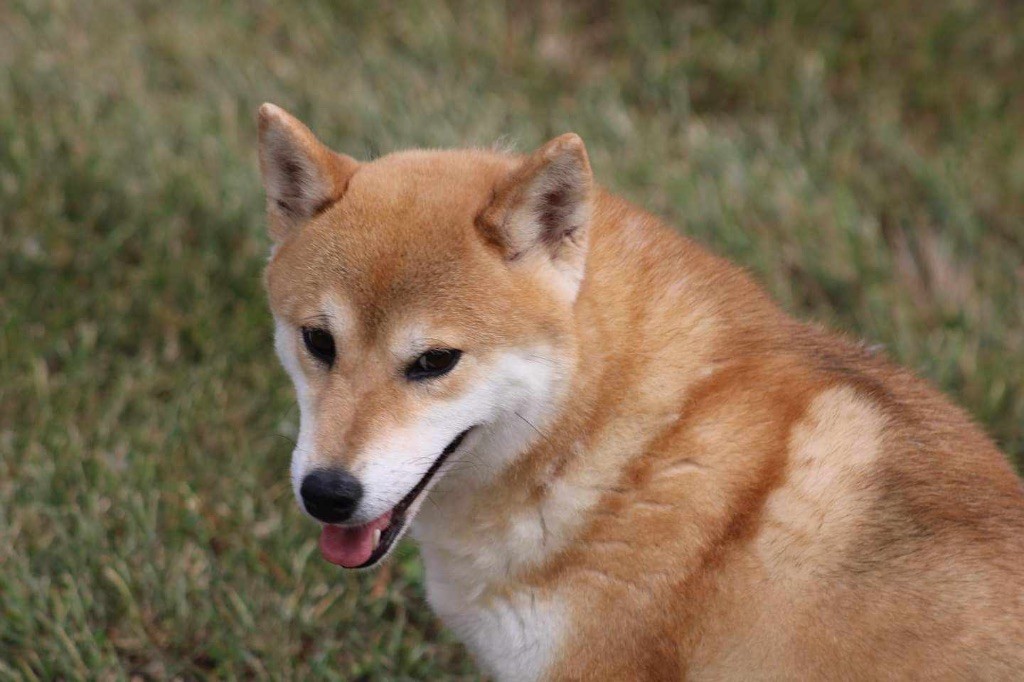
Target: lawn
865, 161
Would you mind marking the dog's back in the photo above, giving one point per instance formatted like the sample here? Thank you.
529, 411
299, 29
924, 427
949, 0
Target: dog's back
814, 512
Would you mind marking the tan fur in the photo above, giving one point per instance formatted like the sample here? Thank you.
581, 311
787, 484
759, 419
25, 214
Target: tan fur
754, 498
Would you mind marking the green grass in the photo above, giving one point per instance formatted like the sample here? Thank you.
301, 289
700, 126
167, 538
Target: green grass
866, 162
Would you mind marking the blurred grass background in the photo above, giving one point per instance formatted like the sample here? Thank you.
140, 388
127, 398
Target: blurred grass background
866, 160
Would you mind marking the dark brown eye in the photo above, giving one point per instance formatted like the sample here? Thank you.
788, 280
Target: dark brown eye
433, 363
319, 343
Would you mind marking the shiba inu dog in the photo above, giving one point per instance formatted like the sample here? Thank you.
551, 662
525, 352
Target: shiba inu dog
637, 466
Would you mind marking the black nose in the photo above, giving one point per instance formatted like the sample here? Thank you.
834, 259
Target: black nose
330, 495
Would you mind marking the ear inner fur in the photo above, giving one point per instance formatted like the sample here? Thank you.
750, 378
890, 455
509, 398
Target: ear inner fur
543, 202
301, 176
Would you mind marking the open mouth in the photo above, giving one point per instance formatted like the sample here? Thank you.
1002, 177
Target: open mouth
363, 546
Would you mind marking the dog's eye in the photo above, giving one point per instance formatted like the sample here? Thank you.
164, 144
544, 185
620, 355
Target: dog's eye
433, 363
319, 343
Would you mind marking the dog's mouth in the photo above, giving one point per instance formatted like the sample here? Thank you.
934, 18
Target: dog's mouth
365, 545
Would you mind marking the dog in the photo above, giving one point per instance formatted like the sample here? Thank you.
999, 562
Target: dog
638, 466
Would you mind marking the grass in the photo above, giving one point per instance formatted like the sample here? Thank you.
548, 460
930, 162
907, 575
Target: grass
866, 161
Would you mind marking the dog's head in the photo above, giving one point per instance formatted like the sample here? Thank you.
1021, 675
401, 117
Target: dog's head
423, 305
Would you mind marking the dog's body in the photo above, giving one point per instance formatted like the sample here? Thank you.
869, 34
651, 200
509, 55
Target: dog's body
638, 466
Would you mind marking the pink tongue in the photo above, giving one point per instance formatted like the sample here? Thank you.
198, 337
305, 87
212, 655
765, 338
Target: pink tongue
351, 547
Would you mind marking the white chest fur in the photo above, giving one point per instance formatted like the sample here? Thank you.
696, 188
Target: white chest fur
514, 637
472, 552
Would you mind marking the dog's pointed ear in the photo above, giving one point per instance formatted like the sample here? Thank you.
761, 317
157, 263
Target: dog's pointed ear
543, 208
301, 176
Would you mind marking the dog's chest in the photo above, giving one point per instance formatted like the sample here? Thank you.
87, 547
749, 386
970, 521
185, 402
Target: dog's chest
473, 554
514, 636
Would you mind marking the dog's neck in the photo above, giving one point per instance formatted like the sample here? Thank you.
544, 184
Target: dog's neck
486, 530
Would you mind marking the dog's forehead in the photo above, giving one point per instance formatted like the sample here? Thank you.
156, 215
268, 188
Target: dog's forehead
402, 237
451, 180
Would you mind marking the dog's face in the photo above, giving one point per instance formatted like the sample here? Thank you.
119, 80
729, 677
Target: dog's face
423, 306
